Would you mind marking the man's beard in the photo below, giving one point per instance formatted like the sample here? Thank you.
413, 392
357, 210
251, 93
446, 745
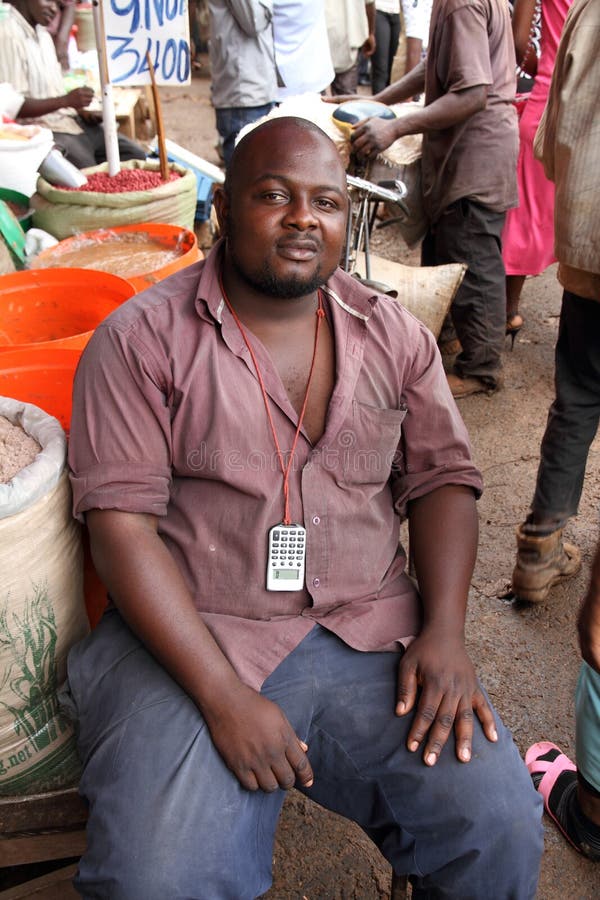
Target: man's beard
266, 281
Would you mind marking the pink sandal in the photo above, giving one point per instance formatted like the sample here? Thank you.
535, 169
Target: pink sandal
551, 771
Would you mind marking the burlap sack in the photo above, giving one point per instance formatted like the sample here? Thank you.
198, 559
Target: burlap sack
63, 213
42, 611
426, 291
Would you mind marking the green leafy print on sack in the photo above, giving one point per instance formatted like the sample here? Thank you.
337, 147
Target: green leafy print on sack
31, 675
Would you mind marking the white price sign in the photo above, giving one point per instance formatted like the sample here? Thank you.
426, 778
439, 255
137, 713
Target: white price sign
134, 28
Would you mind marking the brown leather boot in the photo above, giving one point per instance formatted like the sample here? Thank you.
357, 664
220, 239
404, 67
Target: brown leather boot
541, 563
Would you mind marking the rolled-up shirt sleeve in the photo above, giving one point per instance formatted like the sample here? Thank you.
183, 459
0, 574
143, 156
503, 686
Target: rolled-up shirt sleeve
435, 449
119, 445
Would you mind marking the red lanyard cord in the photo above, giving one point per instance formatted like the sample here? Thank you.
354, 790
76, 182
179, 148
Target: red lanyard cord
285, 469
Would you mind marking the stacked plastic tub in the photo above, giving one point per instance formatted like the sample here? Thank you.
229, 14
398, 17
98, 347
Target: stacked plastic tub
46, 319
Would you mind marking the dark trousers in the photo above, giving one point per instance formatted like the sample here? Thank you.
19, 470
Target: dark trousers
387, 35
574, 415
169, 820
470, 233
89, 149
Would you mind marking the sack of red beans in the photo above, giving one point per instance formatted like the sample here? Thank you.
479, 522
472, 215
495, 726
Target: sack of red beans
124, 181
136, 194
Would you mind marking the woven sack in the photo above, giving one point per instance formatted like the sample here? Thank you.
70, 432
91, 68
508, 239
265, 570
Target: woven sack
426, 291
64, 213
42, 611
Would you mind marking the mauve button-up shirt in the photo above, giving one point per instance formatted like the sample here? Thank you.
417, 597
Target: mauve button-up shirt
168, 419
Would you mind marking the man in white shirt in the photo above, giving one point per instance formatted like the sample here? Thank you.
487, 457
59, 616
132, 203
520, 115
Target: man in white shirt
301, 47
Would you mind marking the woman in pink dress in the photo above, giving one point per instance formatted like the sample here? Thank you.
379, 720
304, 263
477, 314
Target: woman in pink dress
528, 237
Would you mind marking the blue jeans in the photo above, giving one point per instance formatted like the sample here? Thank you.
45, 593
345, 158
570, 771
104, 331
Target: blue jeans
230, 122
168, 819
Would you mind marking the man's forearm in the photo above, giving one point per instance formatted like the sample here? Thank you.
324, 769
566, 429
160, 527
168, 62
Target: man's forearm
250, 732
443, 530
34, 108
370, 11
410, 84
149, 590
414, 49
252, 17
446, 112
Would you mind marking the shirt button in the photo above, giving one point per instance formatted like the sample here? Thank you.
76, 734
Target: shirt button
316, 582
316, 520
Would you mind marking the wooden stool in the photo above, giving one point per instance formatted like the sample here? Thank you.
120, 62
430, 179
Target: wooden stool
399, 887
39, 828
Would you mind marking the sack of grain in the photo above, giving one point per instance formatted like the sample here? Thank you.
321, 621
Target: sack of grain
63, 213
42, 611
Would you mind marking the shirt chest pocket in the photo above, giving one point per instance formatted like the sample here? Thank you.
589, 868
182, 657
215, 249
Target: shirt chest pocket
369, 443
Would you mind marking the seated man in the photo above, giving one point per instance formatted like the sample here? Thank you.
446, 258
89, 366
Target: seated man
28, 62
260, 388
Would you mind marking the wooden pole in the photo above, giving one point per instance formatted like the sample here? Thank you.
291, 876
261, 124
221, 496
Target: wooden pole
108, 109
160, 125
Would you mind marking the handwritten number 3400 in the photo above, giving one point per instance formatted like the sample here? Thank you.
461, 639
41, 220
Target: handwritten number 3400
172, 62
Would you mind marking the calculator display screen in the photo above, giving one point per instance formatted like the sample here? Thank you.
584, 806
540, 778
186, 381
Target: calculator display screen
291, 574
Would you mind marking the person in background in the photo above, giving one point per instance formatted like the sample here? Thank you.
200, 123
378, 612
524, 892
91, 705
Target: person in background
470, 146
350, 29
302, 53
242, 65
29, 63
528, 235
567, 143
387, 36
197, 9
416, 15
572, 793
60, 29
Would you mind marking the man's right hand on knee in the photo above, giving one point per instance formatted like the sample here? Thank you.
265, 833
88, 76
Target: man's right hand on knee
257, 742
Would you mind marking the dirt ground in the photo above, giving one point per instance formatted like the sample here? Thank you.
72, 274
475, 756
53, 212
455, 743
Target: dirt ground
526, 656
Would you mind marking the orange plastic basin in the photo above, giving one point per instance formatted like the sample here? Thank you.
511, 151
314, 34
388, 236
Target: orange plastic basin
42, 377
167, 237
56, 308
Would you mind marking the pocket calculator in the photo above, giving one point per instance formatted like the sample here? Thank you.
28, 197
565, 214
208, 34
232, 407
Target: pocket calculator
287, 552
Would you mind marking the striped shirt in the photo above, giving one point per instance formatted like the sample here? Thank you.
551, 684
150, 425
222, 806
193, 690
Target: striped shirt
28, 61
